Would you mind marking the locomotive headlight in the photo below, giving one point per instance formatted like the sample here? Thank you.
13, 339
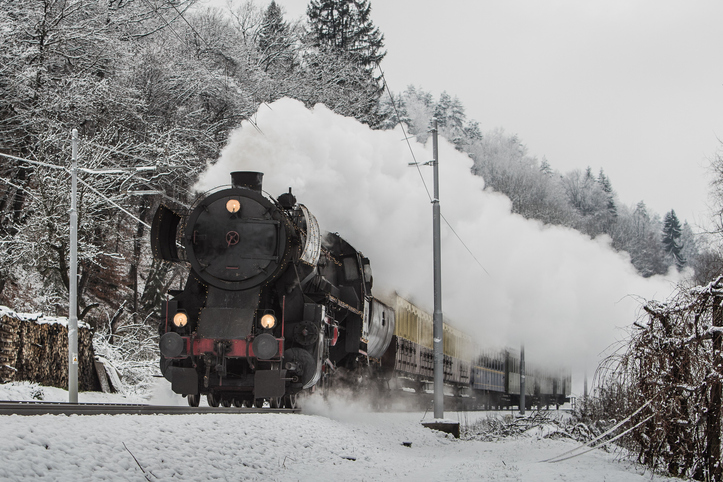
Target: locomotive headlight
268, 321
180, 319
232, 205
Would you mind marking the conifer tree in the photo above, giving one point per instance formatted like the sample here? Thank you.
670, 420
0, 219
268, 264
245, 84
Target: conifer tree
672, 244
275, 42
348, 47
608, 189
545, 167
345, 26
450, 116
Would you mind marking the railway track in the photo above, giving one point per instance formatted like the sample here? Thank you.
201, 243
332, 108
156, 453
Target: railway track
62, 408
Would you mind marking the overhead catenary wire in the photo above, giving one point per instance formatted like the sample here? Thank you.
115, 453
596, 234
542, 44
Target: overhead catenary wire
409, 145
168, 24
193, 29
118, 151
37, 163
180, 14
55, 166
128, 170
10, 183
404, 132
113, 203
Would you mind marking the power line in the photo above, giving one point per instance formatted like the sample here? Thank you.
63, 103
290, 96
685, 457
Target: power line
180, 14
406, 137
409, 145
37, 163
54, 166
155, 10
117, 151
210, 48
465, 246
114, 203
9, 183
190, 26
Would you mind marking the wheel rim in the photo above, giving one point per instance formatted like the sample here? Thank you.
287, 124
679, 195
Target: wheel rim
238, 403
259, 402
193, 400
226, 402
212, 400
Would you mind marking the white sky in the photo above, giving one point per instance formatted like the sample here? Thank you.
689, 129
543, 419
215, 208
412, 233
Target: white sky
633, 87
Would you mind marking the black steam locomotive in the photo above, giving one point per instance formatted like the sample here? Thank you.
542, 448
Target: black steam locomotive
270, 305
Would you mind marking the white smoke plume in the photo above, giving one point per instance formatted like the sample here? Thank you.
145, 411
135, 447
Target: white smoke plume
562, 294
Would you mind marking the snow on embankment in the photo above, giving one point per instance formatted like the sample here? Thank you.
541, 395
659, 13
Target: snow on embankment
332, 440
367, 446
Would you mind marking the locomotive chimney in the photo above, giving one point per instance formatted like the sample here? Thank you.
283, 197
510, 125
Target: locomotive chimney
248, 179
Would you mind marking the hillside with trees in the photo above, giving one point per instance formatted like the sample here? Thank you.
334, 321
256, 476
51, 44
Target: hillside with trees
580, 199
157, 83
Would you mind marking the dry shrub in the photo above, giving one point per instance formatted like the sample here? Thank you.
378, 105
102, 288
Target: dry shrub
672, 363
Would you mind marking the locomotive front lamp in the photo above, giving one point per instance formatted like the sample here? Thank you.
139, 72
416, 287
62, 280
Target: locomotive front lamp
233, 205
180, 319
268, 321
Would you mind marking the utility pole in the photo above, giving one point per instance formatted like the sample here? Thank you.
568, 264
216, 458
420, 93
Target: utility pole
73, 268
437, 318
438, 332
523, 381
73, 278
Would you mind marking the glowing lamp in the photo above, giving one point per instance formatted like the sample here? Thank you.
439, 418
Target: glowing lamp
268, 321
233, 206
180, 319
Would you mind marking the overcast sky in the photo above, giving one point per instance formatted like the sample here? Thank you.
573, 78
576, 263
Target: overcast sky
633, 87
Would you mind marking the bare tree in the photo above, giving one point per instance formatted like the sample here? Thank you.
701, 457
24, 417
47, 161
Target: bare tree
673, 364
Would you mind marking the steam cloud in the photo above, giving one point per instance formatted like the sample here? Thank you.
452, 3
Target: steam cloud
562, 294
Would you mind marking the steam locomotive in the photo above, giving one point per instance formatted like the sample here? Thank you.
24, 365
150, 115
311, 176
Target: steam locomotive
269, 305
272, 307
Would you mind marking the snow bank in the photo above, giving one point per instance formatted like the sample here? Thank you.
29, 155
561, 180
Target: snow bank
39, 318
336, 442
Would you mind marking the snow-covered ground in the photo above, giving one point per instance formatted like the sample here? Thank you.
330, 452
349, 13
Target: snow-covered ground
337, 441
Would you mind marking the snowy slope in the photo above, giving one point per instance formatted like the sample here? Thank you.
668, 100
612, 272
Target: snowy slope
337, 442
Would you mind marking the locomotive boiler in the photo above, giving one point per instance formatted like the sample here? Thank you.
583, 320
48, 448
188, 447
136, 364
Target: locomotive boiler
271, 305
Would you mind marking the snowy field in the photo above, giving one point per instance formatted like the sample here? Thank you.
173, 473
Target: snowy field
328, 442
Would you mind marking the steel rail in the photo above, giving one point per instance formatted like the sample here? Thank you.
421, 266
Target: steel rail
64, 408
